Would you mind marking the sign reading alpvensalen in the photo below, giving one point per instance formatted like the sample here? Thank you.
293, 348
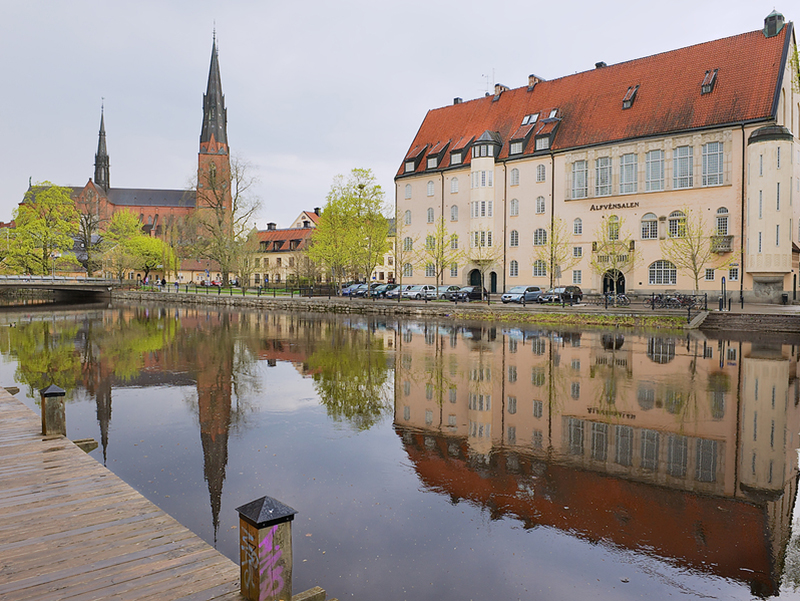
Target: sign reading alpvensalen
615, 205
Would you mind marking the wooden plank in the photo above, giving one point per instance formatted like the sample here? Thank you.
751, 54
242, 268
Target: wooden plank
71, 530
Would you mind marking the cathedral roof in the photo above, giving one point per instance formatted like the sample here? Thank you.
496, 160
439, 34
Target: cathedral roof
215, 117
719, 83
145, 197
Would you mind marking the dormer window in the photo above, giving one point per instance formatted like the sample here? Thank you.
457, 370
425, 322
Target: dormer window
708, 82
482, 150
630, 96
553, 114
410, 166
543, 143
516, 147
455, 158
530, 119
432, 162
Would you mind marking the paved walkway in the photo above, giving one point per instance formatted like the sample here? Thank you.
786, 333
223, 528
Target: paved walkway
70, 529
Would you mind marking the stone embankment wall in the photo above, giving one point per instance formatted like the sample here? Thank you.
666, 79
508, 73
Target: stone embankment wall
752, 322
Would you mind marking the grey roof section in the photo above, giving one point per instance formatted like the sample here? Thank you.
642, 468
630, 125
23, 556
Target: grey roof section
215, 116
143, 197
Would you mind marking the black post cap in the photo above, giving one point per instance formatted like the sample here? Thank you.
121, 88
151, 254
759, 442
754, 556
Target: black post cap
52, 390
266, 511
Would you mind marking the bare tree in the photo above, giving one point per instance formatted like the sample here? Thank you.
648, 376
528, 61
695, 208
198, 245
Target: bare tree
555, 249
613, 251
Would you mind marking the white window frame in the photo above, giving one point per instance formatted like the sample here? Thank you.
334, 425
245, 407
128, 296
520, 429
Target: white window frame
540, 205
513, 270
628, 173
709, 276
602, 176
513, 238
649, 226
722, 221
577, 226
431, 215
654, 171
713, 164
540, 237
541, 173
454, 185
453, 270
408, 191
577, 276
513, 177
513, 208
539, 269
682, 167
662, 273
677, 224
579, 179
577, 252
430, 270
431, 188
407, 217
454, 213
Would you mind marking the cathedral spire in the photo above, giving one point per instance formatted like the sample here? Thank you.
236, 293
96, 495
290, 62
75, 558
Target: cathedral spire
215, 118
101, 163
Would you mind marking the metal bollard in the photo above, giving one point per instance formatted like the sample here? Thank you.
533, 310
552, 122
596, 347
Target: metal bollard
265, 550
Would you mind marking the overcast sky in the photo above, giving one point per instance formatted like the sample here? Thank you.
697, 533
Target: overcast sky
313, 89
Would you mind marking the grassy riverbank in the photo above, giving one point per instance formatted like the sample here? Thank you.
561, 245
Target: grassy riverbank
673, 322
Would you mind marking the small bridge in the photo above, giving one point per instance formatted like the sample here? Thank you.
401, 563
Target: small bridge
61, 284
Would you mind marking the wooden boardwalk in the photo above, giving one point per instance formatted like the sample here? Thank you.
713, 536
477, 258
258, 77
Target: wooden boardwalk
70, 529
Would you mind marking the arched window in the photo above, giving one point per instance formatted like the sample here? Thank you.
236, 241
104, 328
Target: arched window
649, 227
613, 228
662, 273
540, 205
408, 191
430, 242
677, 224
408, 243
514, 238
454, 185
540, 237
430, 215
430, 188
454, 213
430, 270
540, 173
407, 270
454, 241
514, 177
722, 221
513, 270
577, 226
539, 269
407, 218
514, 207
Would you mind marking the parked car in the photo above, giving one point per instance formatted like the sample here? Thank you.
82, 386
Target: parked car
471, 293
348, 290
359, 290
566, 294
447, 292
381, 290
517, 293
420, 291
395, 292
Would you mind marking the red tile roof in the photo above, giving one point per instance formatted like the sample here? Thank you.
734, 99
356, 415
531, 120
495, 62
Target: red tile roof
590, 103
301, 234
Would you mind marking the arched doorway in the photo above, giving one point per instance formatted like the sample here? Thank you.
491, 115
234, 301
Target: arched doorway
493, 282
475, 277
608, 281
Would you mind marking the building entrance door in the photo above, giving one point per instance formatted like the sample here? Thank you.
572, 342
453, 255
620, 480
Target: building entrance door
475, 277
609, 277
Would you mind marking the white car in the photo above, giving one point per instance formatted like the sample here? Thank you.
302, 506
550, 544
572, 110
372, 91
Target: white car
420, 291
398, 291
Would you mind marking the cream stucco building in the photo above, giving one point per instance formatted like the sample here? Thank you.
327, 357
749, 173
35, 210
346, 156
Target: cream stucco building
534, 181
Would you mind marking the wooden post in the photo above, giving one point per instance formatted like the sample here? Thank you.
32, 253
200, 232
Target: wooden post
54, 422
265, 550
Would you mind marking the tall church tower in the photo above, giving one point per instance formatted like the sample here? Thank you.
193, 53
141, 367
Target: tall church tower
101, 164
213, 169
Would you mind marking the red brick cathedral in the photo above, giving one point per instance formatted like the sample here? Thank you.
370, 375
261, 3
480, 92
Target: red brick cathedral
159, 209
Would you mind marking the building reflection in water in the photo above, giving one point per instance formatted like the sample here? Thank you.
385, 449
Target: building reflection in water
683, 448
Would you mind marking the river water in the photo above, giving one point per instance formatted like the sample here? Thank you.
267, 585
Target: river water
443, 460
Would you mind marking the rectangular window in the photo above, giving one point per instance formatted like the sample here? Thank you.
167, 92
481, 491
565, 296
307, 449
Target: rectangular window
579, 185
760, 204
677, 451
602, 186
628, 173
516, 148
577, 251
432, 162
650, 229
624, 445
599, 441
759, 241
538, 407
576, 276
454, 270
409, 166
682, 167
712, 164
778, 198
777, 235
709, 275
455, 158
760, 165
649, 440
779, 157
733, 274
654, 171
542, 143
575, 429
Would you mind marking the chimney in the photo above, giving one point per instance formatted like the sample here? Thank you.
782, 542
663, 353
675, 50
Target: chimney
270, 226
499, 89
316, 210
458, 100
600, 65
533, 80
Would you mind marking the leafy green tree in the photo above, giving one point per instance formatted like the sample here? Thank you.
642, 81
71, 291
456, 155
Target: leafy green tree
46, 222
557, 250
118, 250
151, 253
91, 218
442, 248
613, 251
691, 246
351, 236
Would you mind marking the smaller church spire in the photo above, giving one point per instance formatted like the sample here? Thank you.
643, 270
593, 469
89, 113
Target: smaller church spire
101, 162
